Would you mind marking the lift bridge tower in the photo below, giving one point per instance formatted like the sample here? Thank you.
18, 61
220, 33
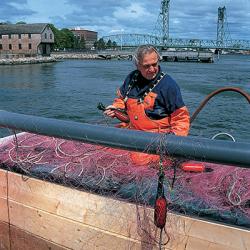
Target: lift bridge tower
223, 34
162, 25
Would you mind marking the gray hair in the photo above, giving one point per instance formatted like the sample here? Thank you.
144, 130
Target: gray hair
141, 51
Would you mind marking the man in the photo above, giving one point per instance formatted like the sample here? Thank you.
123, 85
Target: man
151, 98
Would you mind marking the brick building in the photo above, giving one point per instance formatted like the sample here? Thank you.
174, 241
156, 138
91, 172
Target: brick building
22, 40
90, 37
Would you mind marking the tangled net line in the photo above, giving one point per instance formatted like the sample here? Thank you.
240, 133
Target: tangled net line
222, 193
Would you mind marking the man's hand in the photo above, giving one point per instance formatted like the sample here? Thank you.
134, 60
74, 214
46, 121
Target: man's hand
110, 111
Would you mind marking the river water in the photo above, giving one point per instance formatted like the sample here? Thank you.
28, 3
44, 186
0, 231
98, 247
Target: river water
71, 89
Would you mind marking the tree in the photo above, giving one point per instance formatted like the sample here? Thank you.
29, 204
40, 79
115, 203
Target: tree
56, 33
21, 22
109, 44
100, 44
82, 44
63, 39
66, 39
114, 45
79, 43
7, 22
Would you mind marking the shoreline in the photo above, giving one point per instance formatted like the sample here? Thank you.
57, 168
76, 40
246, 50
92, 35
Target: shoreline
87, 56
55, 57
27, 60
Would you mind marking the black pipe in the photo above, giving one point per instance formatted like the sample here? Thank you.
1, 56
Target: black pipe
202, 149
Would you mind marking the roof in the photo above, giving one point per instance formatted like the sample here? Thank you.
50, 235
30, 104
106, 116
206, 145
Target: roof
33, 28
82, 31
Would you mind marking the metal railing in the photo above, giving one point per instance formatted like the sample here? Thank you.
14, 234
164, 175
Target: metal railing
134, 40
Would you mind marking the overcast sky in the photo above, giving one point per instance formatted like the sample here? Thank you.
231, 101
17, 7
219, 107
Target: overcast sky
188, 18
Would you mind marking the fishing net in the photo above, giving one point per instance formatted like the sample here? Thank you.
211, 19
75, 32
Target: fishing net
219, 192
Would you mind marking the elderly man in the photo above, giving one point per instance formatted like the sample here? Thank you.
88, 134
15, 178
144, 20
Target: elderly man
151, 98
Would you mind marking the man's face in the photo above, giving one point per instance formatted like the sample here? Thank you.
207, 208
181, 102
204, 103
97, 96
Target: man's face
148, 66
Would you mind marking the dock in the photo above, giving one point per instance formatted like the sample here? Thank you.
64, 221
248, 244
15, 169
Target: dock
169, 56
188, 56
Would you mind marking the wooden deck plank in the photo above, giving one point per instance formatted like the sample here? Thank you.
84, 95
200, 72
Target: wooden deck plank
63, 231
101, 212
110, 222
4, 236
221, 234
3, 197
22, 240
4, 210
3, 183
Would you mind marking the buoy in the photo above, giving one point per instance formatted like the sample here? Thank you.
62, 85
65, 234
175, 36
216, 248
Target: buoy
160, 212
193, 167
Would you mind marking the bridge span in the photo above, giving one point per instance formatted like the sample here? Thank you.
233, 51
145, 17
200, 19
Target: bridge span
134, 40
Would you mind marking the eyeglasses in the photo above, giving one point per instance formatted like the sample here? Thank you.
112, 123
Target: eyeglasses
147, 66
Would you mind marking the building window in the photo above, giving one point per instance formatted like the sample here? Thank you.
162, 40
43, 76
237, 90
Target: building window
10, 47
9, 36
50, 36
29, 36
0, 36
20, 46
1, 46
30, 46
45, 35
19, 36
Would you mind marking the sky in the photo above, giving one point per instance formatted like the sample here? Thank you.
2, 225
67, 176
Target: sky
187, 18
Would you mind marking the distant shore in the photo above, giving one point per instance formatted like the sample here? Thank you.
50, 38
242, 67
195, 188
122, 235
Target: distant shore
27, 60
54, 57
97, 55
72, 55
58, 56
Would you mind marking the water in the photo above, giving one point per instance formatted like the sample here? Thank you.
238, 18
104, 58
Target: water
71, 89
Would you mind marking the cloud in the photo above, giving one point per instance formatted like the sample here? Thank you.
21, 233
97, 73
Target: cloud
14, 11
134, 11
199, 19
188, 19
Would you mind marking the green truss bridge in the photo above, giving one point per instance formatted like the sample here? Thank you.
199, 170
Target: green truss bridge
134, 40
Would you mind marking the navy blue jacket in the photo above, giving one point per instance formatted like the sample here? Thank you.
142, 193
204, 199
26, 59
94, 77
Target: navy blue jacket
168, 93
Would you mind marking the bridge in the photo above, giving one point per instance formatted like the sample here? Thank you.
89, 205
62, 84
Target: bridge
161, 37
126, 41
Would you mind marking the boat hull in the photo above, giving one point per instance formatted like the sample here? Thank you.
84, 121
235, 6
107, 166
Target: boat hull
73, 215
50, 215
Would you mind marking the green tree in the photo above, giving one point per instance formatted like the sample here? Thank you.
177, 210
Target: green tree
21, 22
114, 45
56, 33
79, 43
63, 39
82, 44
109, 44
66, 39
100, 44
7, 22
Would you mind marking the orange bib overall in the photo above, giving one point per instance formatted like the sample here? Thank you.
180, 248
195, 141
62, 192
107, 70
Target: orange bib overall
178, 122
140, 121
